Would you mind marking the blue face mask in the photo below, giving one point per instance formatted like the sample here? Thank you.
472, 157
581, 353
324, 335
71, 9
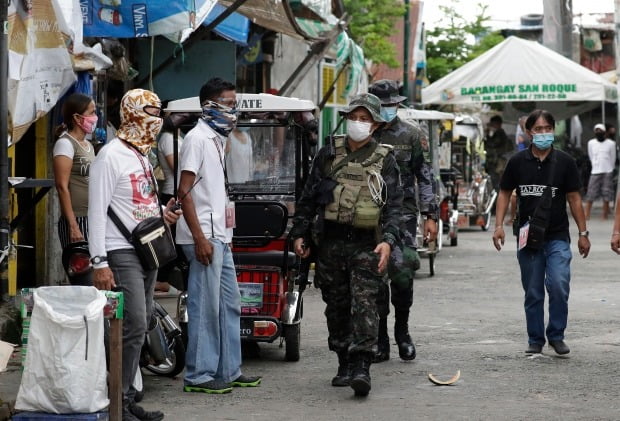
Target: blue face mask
543, 140
389, 113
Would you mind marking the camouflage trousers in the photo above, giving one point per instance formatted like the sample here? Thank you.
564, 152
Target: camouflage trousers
404, 261
346, 272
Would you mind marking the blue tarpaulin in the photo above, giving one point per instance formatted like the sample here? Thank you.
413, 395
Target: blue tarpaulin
235, 27
135, 18
142, 18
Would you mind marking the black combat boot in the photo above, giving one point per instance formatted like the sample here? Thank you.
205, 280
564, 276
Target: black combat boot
383, 343
343, 377
406, 348
360, 377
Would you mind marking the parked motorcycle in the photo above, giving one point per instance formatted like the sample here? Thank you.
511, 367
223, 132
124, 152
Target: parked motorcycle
163, 351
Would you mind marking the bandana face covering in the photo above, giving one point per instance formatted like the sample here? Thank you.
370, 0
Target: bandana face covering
219, 117
138, 127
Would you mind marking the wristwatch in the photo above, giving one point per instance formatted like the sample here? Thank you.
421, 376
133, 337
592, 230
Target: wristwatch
585, 233
98, 259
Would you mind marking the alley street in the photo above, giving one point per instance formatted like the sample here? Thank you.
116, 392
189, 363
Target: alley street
469, 317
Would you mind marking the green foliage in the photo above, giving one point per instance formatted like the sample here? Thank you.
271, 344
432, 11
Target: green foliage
457, 41
372, 23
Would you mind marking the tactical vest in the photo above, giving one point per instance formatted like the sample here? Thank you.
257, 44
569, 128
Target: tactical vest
353, 203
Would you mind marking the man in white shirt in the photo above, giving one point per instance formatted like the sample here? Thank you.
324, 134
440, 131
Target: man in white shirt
213, 358
602, 153
121, 179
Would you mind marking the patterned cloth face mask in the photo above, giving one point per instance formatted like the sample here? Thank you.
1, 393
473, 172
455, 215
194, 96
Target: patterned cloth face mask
141, 119
219, 117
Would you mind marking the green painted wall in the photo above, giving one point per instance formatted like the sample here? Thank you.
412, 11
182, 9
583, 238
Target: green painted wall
184, 77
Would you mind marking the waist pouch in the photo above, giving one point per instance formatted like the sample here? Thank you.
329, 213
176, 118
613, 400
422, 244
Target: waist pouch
536, 234
151, 239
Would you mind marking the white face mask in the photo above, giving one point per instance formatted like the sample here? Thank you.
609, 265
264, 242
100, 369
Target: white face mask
358, 131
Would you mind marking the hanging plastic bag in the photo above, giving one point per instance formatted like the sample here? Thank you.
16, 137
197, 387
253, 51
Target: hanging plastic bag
65, 366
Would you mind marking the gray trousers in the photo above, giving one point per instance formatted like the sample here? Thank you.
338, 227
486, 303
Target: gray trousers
137, 286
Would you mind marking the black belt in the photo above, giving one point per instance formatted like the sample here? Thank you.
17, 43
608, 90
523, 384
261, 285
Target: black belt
336, 231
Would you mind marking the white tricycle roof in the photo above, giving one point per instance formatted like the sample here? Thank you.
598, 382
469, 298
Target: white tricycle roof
247, 102
412, 114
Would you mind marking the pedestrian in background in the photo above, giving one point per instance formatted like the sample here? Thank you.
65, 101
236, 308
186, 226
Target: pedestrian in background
419, 197
354, 190
610, 131
498, 149
122, 181
543, 174
522, 140
213, 359
602, 153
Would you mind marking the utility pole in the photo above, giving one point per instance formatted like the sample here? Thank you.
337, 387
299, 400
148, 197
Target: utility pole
4, 162
557, 26
406, 42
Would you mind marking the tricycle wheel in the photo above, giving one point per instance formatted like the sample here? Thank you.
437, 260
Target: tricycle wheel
292, 337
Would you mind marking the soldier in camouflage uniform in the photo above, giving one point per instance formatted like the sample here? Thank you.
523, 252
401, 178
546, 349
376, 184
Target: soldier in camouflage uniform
350, 208
410, 145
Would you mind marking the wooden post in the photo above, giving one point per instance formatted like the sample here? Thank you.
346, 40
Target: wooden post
115, 391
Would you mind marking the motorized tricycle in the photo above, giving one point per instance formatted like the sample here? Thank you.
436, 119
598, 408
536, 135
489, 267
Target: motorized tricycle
268, 158
476, 195
436, 125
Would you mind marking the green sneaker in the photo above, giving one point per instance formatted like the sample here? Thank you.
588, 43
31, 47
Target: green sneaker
212, 386
246, 381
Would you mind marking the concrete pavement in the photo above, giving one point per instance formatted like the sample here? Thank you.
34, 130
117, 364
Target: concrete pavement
469, 317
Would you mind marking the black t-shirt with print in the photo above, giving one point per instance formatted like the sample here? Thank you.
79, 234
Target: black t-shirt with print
530, 176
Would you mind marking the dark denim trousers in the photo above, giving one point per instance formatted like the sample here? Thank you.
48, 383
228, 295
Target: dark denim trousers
547, 268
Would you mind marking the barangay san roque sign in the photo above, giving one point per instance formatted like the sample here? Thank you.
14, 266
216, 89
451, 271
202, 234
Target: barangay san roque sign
523, 92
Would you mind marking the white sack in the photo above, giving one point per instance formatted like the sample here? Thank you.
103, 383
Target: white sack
65, 367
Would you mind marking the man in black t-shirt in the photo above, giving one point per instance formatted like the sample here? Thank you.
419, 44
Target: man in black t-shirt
531, 172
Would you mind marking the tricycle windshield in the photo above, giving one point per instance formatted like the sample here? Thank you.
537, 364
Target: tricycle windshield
260, 159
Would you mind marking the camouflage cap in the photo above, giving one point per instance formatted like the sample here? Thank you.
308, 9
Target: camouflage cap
368, 101
387, 91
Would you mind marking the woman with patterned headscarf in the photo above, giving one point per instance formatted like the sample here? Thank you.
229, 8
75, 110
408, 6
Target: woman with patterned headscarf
122, 180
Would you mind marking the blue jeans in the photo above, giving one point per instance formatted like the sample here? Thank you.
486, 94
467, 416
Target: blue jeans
547, 268
214, 309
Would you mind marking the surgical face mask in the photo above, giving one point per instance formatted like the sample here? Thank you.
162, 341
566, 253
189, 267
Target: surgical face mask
389, 113
358, 131
543, 140
87, 122
600, 136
